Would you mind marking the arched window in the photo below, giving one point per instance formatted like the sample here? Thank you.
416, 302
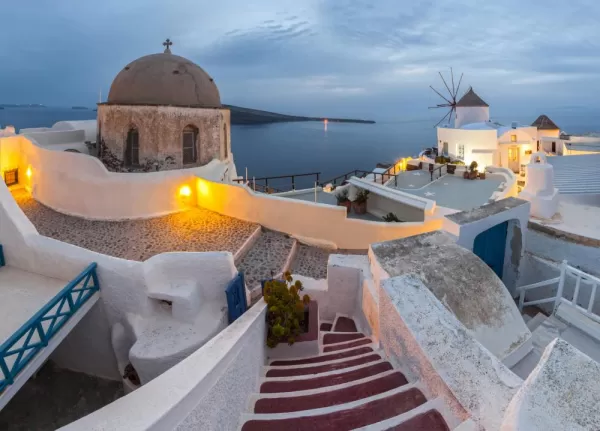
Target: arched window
132, 148
225, 153
190, 149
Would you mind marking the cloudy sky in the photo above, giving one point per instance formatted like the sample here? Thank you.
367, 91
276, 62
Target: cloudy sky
319, 57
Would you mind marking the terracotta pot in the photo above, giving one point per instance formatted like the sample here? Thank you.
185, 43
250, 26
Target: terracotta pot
346, 204
473, 175
359, 207
482, 175
466, 175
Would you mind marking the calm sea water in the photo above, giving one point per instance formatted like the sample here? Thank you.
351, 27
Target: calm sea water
296, 148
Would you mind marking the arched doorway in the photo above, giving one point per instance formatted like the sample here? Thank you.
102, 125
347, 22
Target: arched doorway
490, 246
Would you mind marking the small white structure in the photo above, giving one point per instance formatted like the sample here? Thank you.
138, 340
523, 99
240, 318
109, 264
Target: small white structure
540, 190
475, 137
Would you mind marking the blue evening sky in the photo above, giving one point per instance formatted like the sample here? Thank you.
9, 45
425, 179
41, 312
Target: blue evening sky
317, 57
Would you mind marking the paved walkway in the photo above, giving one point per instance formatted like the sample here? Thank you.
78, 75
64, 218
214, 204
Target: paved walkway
312, 261
193, 230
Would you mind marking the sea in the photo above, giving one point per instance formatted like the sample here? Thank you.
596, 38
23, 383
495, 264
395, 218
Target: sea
334, 149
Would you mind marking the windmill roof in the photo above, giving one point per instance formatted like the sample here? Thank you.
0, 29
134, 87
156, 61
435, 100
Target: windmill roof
471, 99
545, 123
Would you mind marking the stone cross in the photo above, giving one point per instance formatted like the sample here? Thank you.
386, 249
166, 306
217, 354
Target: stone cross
167, 44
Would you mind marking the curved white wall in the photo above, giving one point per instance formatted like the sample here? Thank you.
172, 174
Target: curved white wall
304, 219
471, 114
80, 185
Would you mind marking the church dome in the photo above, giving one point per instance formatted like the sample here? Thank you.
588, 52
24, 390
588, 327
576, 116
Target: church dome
164, 79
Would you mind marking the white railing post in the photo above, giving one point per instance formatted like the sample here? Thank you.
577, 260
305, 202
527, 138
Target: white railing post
592, 298
521, 300
561, 285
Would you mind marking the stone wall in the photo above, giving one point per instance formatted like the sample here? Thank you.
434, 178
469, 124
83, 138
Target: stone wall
160, 131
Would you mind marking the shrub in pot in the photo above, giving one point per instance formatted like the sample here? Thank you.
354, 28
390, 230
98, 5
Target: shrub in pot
473, 170
285, 310
391, 217
342, 199
360, 201
451, 169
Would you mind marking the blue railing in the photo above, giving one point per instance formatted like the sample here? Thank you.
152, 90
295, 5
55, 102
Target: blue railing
23, 345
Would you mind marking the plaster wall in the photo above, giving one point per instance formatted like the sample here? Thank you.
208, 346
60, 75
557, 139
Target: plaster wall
561, 393
518, 218
51, 138
511, 188
471, 139
421, 336
303, 219
380, 205
549, 133
80, 185
526, 143
208, 390
124, 285
160, 131
471, 114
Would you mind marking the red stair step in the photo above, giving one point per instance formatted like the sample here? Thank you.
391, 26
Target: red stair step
430, 421
356, 343
344, 324
366, 414
290, 372
339, 338
326, 326
331, 398
323, 358
324, 381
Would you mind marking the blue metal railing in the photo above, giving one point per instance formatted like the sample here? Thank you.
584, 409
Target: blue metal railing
19, 349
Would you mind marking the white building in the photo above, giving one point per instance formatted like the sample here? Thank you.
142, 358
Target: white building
475, 137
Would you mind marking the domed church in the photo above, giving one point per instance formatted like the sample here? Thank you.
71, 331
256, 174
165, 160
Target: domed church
163, 112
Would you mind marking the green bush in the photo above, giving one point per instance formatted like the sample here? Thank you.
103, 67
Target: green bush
442, 160
473, 166
342, 196
458, 162
285, 310
391, 217
361, 196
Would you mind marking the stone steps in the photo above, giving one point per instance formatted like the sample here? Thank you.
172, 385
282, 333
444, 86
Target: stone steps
349, 388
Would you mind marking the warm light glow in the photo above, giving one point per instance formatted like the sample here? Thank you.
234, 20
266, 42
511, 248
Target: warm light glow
28, 172
185, 191
203, 188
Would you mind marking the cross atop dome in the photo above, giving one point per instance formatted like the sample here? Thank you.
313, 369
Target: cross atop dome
167, 44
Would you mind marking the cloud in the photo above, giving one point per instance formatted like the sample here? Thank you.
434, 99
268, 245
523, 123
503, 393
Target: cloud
343, 55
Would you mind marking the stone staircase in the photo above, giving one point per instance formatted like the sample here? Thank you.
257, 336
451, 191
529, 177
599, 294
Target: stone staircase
349, 385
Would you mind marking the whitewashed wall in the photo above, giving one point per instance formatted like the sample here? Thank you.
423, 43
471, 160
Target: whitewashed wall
471, 139
80, 185
206, 391
303, 219
471, 114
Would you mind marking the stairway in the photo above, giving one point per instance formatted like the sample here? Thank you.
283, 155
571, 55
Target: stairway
348, 386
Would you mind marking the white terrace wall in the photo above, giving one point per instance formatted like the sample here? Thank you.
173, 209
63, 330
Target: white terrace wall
123, 285
206, 391
326, 223
80, 185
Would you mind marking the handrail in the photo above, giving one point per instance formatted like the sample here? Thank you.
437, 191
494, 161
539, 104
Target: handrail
48, 313
269, 189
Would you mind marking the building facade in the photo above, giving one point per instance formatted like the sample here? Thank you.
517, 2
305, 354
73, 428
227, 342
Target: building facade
163, 112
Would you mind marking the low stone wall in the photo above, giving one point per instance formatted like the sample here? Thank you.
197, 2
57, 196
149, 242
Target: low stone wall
80, 185
303, 219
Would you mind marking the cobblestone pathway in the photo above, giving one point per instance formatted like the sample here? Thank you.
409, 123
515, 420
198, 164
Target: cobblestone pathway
193, 230
266, 257
312, 261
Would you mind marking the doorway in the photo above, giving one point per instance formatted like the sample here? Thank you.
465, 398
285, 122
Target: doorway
513, 159
490, 247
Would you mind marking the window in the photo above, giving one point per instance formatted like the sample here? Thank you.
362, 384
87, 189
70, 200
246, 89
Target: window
513, 138
132, 148
461, 151
11, 177
190, 151
225, 153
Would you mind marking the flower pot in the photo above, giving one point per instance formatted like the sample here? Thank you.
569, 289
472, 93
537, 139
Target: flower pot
359, 207
466, 175
451, 169
482, 175
472, 175
346, 204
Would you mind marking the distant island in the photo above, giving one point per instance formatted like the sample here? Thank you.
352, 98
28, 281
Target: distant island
80, 107
241, 115
21, 105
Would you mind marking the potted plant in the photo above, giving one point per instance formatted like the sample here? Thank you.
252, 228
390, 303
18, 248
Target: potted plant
286, 311
482, 175
343, 200
473, 170
360, 201
450, 169
391, 218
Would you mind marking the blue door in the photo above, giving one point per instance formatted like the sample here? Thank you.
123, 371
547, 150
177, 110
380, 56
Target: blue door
490, 247
236, 297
